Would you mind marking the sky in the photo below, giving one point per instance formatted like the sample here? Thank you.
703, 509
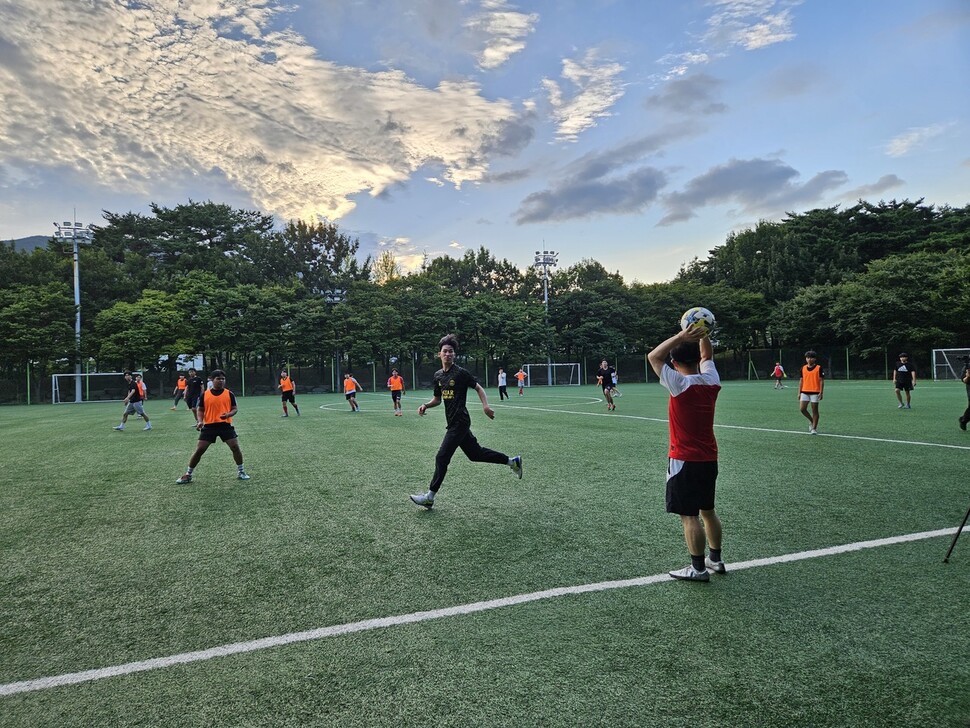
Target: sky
638, 133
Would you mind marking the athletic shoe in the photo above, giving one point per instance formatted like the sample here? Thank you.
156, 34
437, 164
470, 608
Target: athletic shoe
716, 566
812, 431
173, 408
516, 466
243, 476
909, 406
423, 500
899, 406
963, 424
119, 428
283, 416
689, 573
147, 427
187, 478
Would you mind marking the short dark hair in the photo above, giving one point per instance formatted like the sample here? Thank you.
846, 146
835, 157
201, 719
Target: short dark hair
810, 354
216, 373
902, 354
448, 340
127, 373
686, 352
192, 369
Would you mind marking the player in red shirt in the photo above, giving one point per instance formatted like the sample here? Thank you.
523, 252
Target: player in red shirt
693, 383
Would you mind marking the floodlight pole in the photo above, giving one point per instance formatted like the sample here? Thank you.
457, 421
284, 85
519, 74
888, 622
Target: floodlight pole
78, 234
334, 296
547, 258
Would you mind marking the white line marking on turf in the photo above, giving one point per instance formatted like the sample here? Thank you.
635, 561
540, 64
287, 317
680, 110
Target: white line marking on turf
743, 427
265, 643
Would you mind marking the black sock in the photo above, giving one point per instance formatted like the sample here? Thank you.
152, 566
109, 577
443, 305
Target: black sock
697, 562
715, 554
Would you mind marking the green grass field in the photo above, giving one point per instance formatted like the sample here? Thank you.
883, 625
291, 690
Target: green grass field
104, 561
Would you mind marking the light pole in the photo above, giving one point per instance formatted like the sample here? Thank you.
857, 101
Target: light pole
547, 258
334, 296
78, 234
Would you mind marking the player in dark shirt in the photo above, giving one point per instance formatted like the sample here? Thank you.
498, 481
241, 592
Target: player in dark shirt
904, 380
194, 384
451, 385
604, 378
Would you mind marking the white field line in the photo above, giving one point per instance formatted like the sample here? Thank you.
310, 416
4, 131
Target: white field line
236, 648
742, 427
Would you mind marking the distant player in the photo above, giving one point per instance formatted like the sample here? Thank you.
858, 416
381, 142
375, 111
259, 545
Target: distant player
395, 383
133, 403
521, 377
810, 389
451, 385
179, 391
503, 385
194, 386
778, 373
904, 380
693, 383
351, 387
614, 381
604, 378
288, 389
214, 420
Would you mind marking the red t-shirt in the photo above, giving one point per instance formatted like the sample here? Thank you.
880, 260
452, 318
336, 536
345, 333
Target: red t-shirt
691, 412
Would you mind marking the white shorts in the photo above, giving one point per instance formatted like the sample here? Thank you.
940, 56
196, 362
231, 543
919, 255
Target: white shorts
809, 397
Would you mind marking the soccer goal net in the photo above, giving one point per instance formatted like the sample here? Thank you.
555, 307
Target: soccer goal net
948, 363
554, 374
88, 387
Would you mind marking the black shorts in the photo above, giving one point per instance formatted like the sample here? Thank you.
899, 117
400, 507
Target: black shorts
350, 395
288, 397
396, 395
193, 401
904, 386
690, 487
209, 433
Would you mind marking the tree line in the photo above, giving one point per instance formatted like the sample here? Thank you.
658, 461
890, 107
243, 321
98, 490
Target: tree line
204, 278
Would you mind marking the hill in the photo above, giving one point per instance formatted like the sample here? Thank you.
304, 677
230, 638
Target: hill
34, 241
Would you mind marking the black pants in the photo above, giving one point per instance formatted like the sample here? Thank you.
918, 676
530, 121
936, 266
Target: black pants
503, 393
465, 440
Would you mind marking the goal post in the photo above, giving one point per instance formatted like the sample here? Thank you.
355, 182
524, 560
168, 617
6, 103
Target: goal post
565, 374
948, 363
95, 387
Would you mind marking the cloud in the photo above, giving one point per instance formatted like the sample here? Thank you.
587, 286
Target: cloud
794, 80
750, 24
886, 182
603, 183
691, 95
903, 144
142, 95
758, 185
598, 88
504, 30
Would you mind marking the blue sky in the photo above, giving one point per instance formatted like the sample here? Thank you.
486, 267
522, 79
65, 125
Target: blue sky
638, 133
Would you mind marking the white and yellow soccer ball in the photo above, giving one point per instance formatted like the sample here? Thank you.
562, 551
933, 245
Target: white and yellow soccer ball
698, 315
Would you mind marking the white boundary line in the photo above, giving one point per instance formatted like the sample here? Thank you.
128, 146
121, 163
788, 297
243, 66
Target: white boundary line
743, 427
265, 643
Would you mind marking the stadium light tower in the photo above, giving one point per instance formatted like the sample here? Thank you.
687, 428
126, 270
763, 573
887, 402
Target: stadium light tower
78, 234
547, 259
334, 296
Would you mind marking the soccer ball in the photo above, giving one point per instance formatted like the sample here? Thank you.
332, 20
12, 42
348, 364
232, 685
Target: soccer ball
697, 315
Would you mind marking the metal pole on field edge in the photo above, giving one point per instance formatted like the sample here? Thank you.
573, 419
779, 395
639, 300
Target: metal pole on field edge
28, 383
847, 363
885, 353
242, 371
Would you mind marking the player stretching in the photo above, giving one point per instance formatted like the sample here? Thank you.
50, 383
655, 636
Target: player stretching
214, 419
396, 384
693, 383
451, 385
288, 388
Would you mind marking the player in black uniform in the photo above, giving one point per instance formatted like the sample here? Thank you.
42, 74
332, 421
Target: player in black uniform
451, 385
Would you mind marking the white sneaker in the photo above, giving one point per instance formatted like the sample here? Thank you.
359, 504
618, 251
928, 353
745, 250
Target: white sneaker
516, 466
689, 573
423, 500
243, 475
119, 428
148, 427
716, 566
812, 431
900, 406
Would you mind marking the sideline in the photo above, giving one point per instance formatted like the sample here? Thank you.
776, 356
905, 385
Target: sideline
265, 643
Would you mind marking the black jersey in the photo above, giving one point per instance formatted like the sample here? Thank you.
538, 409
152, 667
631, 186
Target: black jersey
134, 393
904, 373
452, 388
193, 387
607, 375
